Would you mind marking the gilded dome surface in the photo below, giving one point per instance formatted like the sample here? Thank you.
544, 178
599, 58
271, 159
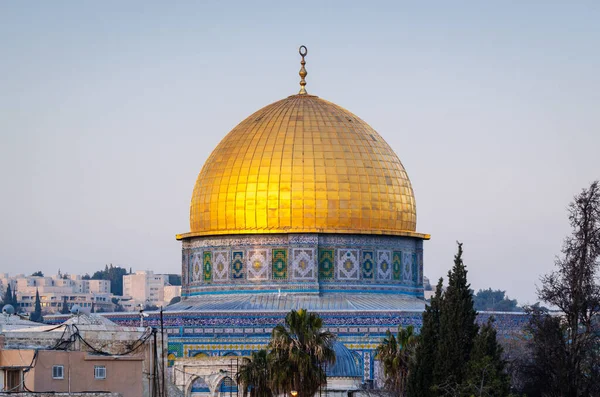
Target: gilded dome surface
303, 165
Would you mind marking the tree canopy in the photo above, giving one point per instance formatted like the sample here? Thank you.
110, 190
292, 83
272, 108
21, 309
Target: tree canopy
115, 275
494, 300
36, 315
565, 348
295, 359
453, 355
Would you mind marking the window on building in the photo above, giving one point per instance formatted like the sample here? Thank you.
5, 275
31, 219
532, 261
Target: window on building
99, 372
13, 380
58, 372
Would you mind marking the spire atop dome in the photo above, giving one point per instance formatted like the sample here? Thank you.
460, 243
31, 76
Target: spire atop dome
303, 52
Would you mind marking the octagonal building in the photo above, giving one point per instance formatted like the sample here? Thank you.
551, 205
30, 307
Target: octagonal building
301, 205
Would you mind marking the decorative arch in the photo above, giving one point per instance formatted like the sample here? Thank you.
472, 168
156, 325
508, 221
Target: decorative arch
359, 360
227, 385
199, 355
197, 384
230, 354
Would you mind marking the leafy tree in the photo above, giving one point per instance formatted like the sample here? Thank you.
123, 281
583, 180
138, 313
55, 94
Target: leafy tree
299, 349
115, 275
93, 308
567, 346
175, 279
149, 307
420, 378
457, 328
86, 277
486, 375
37, 274
395, 354
494, 300
36, 315
254, 375
118, 306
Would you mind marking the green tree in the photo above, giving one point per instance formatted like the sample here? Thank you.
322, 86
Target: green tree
65, 306
486, 375
37, 274
494, 300
36, 315
420, 377
15, 301
118, 306
254, 375
7, 299
457, 329
299, 351
567, 346
395, 354
175, 279
115, 275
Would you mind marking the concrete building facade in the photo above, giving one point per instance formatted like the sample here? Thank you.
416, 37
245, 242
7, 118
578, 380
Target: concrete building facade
57, 290
144, 287
86, 353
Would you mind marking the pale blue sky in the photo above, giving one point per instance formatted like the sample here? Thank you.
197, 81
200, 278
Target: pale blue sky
109, 109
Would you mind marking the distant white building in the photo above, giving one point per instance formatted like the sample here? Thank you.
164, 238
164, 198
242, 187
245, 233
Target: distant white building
146, 288
57, 290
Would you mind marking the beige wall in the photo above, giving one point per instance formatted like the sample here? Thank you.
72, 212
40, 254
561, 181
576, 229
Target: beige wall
123, 374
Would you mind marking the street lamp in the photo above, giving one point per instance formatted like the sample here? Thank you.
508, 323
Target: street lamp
294, 393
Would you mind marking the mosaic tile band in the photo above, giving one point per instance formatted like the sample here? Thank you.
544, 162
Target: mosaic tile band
310, 263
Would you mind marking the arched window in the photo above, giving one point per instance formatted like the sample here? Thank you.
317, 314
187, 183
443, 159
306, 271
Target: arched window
228, 386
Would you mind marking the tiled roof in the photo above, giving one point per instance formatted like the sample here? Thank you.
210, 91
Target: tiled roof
286, 302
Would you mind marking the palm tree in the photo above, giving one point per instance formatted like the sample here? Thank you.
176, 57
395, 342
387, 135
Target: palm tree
299, 350
253, 375
395, 354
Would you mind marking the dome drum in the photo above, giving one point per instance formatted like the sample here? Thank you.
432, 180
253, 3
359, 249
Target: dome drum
302, 263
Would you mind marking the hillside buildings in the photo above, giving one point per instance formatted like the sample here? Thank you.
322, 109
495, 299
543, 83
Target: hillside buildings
56, 291
148, 289
142, 288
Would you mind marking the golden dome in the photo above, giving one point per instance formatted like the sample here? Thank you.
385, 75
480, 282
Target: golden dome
303, 165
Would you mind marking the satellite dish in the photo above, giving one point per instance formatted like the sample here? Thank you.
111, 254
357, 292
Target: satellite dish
75, 309
8, 310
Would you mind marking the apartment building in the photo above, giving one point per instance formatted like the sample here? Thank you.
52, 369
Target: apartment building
146, 288
55, 291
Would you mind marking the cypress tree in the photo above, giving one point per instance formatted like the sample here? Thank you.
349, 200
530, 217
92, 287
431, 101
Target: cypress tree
37, 312
7, 299
486, 370
420, 378
457, 329
65, 306
15, 301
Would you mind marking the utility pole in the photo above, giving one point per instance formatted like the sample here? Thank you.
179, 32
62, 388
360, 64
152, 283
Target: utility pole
162, 352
